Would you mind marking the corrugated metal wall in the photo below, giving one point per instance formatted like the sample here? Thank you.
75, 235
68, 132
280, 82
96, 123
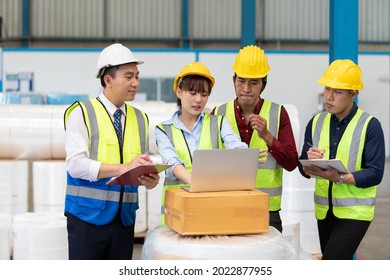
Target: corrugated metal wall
10, 11
219, 19
144, 19
102, 18
295, 20
292, 20
70, 18
374, 20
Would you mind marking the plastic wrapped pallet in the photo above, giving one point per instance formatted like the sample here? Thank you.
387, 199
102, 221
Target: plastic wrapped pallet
162, 243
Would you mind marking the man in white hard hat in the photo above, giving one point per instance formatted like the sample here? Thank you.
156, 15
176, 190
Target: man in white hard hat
105, 137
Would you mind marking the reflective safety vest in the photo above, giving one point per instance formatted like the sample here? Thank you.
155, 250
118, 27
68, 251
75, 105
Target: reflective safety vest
269, 175
96, 202
349, 201
210, 138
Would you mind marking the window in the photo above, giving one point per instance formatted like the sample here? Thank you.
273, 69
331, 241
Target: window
160, 89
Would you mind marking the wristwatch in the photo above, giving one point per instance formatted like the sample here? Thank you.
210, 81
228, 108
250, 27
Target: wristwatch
341, 180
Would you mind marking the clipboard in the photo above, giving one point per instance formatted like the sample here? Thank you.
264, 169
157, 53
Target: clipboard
324, 163
130, 177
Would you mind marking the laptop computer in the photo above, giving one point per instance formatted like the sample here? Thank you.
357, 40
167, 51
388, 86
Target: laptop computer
224, 170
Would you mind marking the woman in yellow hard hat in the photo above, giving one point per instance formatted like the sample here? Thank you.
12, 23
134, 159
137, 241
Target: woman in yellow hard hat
344, 203
190, 128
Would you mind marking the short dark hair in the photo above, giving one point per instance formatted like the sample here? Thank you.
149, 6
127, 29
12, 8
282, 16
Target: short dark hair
111, 71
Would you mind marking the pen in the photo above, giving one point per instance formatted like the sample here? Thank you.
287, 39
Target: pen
311, 145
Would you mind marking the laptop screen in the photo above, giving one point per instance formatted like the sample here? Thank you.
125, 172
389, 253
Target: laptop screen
224, 170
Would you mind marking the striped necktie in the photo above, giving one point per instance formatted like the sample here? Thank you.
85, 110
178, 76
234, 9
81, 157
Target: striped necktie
118, 125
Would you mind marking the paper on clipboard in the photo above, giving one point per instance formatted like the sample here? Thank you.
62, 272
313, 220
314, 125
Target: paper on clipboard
324, 163
130, 177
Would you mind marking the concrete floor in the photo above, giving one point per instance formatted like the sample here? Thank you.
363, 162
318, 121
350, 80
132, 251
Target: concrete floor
376, 243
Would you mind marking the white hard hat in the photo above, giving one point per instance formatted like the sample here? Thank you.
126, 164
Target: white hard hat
113, 55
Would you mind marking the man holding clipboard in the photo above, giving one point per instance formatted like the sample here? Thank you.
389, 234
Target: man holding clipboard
344, 203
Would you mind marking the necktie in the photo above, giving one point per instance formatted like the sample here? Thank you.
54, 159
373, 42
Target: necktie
118, 125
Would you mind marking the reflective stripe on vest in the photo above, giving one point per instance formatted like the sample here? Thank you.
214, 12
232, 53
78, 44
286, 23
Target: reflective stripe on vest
269, 175
210, 138
104, 147
349, 201
95, 128
100, 194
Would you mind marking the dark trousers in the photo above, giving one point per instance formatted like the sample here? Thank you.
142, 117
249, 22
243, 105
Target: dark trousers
275, 220
108, 242
340, 238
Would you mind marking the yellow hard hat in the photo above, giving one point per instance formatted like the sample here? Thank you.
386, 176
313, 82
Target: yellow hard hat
342, 74
195, 68
251, 62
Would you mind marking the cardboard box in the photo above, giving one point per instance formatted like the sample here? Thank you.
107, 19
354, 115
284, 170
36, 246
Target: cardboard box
216, 213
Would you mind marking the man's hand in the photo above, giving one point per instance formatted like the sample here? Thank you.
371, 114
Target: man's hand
260, 125
149, 181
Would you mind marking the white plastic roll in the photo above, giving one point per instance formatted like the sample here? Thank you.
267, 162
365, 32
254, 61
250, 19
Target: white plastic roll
154, 120
291, 231
30, 132
294, 119
5, 236
295, 180
39, 236
154, 198
141, 217
5, 141
13, 186
162, 243
298, 199
58, 132
49, 185
157, 111
309, 239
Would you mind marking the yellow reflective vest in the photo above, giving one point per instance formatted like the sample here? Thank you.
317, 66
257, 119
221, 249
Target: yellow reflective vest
349, 201
210, 138
95, 202
269, 175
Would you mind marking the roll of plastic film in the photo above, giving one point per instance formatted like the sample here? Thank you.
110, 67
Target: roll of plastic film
49, 185
39, 236
13, 186
5, 236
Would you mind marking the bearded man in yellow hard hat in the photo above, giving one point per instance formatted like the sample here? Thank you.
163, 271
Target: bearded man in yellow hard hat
261, 124
344, 203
